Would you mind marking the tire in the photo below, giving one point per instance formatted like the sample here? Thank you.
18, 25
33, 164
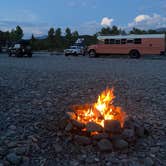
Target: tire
19, 53
30, 55
92, 53
66, 54
75, 54
134, 54
9, 53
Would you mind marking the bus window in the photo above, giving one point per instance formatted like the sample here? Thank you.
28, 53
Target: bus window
123, 41
112, 41
106, 41
129, 41
117, 41
137, 41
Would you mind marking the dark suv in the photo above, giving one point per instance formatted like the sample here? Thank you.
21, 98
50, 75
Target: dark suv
20, 49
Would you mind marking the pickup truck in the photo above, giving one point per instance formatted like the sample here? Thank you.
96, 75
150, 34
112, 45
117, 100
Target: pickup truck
20, 50
74, 50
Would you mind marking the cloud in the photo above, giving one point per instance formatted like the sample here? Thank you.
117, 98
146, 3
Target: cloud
148, 21
28, 21
28, 27
106, 21
141, 18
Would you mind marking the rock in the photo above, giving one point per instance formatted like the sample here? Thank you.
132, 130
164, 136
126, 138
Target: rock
3, 150
20, 150
70, 115
63, 123
129, 123
100, 136
148, 162
115, 137
69, 127
146, 131
94, 127
10, 133
112, 126
13, 158
128, 135
105, 145
33, 138
82, 140
74, 163
12, 144
120, 144
139, 130
154, 149
74, 94
25, 161
12, 127
78, 124
58, 148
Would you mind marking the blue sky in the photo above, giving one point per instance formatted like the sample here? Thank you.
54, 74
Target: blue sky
86, 16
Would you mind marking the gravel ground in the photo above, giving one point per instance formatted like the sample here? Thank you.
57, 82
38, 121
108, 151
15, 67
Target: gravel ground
35, 93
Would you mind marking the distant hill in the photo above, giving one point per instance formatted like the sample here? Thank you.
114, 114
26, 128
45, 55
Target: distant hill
41, 37
161, 30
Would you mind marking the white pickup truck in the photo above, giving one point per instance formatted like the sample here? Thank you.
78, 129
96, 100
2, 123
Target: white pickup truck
74, 50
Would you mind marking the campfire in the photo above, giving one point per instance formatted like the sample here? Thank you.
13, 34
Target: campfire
103, 123
101, 111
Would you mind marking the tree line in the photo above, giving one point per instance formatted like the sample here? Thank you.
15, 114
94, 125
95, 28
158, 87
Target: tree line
11, 36
56, 40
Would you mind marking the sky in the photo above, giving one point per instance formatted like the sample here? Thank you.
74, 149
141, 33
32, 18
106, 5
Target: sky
85, 16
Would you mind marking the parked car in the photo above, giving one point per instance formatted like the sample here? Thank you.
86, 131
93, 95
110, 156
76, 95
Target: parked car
75, 50
20, 50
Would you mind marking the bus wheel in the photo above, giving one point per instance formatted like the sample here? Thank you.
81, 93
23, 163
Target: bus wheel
92, 53
134, 54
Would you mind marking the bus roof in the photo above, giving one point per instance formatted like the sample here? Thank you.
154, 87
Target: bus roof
131, 36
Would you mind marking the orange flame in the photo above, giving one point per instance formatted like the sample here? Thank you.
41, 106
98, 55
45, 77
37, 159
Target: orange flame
100, 111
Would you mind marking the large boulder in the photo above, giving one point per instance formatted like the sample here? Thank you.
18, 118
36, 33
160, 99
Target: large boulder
112, 126
82, 140
105, 145
129, 135
120, 144
94, 127
100, 136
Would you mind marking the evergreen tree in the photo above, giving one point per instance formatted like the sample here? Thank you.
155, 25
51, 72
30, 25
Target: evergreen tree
18, 33
51, 33
137, 31
68, 37
115, 30
58, 39
32, 37
75, 36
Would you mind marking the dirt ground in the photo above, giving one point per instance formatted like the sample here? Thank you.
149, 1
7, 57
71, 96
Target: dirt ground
36, 92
